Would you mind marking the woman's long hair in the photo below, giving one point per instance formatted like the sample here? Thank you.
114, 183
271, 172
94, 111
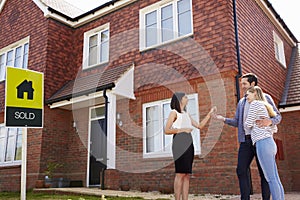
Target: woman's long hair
175, 102
261, 97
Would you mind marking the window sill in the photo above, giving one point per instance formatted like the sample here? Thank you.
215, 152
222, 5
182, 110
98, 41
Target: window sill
10, 165
94, 66
280, 63
144, 49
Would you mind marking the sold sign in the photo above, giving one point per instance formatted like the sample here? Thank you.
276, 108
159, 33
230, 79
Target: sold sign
24, 98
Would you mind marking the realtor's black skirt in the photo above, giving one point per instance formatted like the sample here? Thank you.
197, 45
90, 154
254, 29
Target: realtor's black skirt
183, 152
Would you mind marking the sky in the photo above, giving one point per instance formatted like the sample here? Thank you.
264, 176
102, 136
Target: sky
287, 9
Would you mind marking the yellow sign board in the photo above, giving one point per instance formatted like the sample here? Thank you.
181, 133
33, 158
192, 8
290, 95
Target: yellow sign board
24, 98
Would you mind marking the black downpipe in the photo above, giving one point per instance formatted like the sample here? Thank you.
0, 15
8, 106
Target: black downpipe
237, 81
105, 146
237, 46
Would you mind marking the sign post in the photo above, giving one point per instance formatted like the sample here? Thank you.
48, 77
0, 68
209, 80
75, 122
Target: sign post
24, 103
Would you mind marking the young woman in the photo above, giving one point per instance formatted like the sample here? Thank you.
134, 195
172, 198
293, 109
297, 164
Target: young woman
180, 124
262, 138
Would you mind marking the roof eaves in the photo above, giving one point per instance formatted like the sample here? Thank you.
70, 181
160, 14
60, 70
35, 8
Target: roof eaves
75, 19
280, 20
112, 2
52, 10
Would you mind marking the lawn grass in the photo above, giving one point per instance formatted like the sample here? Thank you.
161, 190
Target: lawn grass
34, 195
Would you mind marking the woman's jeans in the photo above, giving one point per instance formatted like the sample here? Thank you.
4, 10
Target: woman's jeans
266, 150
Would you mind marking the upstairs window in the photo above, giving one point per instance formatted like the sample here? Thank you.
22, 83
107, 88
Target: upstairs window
279, 49
14, 55
155, 115
10, 145
96, 47
165, 21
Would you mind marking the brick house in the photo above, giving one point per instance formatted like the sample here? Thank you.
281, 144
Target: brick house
109, 76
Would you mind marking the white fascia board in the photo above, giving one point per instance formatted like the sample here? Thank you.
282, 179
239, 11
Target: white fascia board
125, 85
289, 109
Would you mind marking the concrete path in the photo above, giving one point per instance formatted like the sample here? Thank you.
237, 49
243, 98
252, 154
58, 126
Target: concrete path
152, 195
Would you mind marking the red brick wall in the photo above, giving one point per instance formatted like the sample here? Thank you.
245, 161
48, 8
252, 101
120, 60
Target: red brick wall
290, 136
257, 48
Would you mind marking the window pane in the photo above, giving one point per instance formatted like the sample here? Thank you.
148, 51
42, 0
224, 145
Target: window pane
104, 36
191, 107
2, 143
167, 138
167, 23
104, 46
192, 110
153, 137
2, 67
151, 18
25, 56
104, 52
183, 6
9, 58
93, 50
184, 17
151, 29
2, 149
18, 154
97, 112
18, 57
11, 142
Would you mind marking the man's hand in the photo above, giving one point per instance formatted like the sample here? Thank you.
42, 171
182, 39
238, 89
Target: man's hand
219, 117
263, 122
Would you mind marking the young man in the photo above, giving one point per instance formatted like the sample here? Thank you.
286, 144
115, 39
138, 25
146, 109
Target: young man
247, 150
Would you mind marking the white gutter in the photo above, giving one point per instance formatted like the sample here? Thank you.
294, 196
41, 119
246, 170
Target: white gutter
289, 109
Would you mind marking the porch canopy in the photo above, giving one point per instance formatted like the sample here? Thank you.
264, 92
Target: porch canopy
87, 90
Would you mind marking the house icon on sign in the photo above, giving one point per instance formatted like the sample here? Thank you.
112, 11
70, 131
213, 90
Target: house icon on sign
25, 86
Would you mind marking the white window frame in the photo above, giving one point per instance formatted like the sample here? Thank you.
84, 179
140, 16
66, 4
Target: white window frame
3, 149
157, 7
168, 149
87, 35
279, 49
12, 48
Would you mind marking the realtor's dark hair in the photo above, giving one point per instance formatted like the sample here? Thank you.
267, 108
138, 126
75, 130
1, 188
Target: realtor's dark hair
251, 78
175, 102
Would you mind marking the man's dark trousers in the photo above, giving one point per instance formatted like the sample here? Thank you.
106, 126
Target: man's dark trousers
245, 156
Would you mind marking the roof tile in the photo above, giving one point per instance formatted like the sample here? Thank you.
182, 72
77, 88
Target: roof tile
88, 83
64, 7
292, 88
